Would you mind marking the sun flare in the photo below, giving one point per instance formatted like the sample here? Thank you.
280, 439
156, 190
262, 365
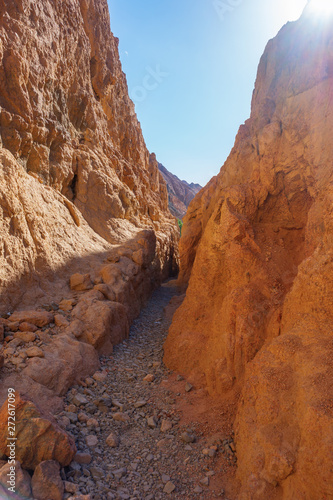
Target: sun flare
321, 7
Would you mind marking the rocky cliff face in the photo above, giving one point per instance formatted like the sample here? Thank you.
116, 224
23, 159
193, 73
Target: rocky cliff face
257, 250
180, 193
75, 173
85, 230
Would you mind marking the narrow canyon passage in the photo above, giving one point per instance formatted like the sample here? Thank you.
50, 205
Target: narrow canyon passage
134, 426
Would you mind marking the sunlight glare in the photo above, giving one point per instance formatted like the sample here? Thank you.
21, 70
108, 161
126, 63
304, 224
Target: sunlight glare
321, 7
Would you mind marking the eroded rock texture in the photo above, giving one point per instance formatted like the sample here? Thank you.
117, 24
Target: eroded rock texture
180, 193
75, 174
257, 250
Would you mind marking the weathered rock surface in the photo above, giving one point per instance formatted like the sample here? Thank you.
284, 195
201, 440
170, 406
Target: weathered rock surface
38, 438
21, 481
75, 174
46, 481
85, 230
257, 250
180, 193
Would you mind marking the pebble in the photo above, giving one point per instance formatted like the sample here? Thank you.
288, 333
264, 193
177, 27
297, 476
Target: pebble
112, 440
91, 440
34, 352
187, 437
166, 426
83, 458
169, 487
129, 440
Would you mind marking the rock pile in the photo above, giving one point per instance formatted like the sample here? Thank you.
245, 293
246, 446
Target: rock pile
129, 439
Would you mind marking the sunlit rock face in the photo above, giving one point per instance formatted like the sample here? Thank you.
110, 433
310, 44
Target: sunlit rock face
256, 252
75, 174
180, 193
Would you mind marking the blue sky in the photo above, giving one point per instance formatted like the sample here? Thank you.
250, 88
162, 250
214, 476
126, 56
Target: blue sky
191, 67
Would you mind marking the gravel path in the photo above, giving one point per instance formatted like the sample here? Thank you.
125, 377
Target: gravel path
130, 443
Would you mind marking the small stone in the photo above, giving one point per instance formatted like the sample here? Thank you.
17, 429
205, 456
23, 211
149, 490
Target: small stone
166, 425
120, 417
118, 405
96, 472
70, 487
67, 305
187, 437
82, 417
169, 487
112, 440
72, 417
205, 481
179, 378
92, 422
25, 336
119, 473
140, 403
100, 376
34, 352
60, 321
79, 399
151, 422
165, 478
83, 458
198, 490
91, 440
149, 378
27, 327
188, 387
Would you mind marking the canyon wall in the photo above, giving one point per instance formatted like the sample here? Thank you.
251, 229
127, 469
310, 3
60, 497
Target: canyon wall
75, 175
180, 193
85, 230
256, 253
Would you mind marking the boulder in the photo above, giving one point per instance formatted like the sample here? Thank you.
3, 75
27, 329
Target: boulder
80, 282
22, 481
27, 327
65, 362
46, 481
37, 318
38, 437
25, 336
99, 323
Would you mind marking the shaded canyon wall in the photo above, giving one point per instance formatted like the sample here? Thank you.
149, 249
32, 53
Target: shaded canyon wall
75, 174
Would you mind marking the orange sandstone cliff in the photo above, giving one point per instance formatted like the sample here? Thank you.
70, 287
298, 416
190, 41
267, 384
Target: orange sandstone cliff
256, 252
75, 174
85, 230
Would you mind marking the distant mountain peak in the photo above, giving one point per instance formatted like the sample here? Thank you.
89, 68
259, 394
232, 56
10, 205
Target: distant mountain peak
180, 193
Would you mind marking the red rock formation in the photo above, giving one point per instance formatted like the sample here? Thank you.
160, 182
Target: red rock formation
38, 438
180, 193
75, 174
80, 198
257, 247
